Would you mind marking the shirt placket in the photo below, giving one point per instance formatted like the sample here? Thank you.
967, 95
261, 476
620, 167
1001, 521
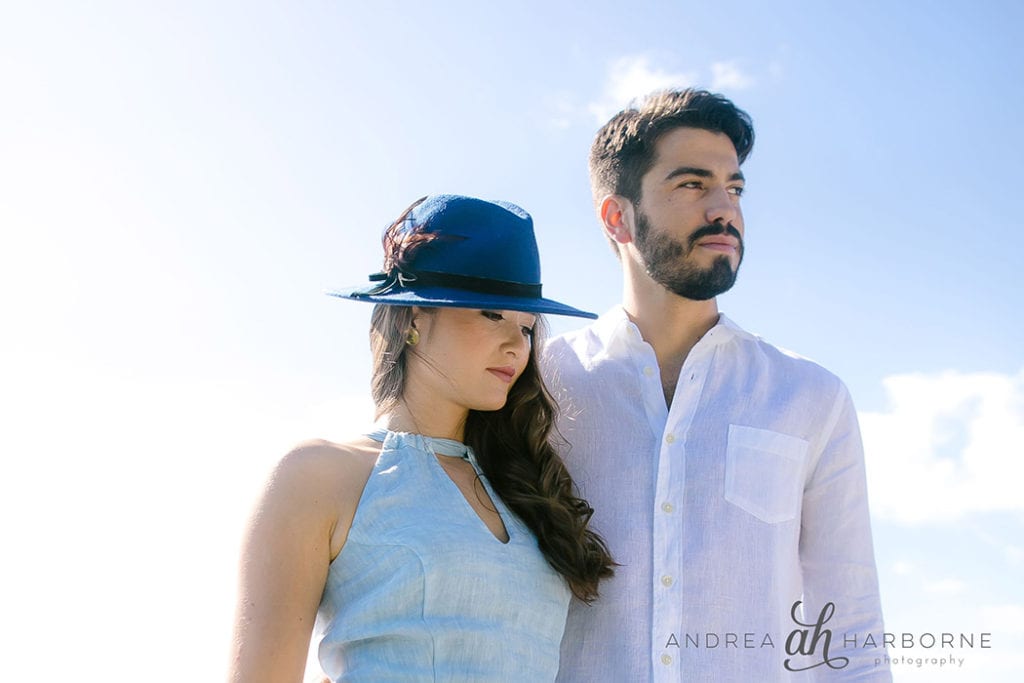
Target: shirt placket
668, 600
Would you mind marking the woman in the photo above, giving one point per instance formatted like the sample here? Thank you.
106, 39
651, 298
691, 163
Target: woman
445, 544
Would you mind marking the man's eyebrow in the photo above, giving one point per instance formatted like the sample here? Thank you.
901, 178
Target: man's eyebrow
688, 170
699, 172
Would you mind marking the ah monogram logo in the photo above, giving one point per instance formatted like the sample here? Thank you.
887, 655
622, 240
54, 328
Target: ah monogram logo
805, 641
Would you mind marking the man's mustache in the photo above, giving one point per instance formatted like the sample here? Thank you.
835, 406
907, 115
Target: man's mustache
714, 229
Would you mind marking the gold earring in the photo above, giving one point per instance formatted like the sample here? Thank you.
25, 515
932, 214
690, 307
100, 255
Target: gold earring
412, 337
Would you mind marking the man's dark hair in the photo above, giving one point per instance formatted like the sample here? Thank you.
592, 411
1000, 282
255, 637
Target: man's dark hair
623, 150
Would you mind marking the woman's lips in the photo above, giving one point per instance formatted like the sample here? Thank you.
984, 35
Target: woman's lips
505, 374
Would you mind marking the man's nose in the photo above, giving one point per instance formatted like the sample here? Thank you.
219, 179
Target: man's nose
722, 207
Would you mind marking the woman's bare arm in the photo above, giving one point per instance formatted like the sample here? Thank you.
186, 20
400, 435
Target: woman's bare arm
285, 558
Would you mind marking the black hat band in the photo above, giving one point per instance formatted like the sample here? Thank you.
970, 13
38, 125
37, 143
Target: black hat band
426, 278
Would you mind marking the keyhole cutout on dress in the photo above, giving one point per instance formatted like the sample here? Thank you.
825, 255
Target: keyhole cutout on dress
465, 478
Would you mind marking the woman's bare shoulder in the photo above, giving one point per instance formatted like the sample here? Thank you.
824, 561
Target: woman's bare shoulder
334, 452
317, 463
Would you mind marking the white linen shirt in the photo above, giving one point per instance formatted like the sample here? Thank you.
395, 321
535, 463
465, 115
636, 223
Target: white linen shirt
747, 495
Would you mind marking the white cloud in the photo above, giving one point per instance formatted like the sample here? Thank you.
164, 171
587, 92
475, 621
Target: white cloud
903, 568
1006, 620
154, 480
945, 586
632, 77
729, 76
951, 444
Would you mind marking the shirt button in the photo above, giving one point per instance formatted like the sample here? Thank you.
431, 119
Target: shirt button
666, 660
648, 370
667, 507
666, 581
670, 438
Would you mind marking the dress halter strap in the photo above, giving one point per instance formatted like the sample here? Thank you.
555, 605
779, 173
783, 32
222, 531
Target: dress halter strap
447, 447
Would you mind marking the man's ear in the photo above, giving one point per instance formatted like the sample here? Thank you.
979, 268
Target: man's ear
616, 213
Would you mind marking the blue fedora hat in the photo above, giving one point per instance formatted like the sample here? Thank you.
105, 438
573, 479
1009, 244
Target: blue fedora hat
468, 253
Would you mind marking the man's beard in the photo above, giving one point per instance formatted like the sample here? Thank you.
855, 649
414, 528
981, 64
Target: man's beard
666, 260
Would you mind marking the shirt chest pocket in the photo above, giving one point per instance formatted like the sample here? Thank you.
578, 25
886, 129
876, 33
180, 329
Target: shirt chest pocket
764, 472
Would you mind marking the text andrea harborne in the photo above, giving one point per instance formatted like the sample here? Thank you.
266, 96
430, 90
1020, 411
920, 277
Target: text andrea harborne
812, 642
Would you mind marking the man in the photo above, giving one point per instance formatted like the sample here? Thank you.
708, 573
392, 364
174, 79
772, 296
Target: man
727, 476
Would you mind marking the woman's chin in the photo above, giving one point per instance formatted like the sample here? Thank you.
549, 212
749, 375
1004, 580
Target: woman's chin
491, 405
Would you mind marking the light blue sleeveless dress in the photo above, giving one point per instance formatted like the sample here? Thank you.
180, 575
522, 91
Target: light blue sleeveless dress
423, 591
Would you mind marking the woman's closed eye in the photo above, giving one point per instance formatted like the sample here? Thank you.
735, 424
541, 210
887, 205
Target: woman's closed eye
527, 330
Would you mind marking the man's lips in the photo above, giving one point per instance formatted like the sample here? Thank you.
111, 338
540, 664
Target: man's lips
725, 239
723, 244
505, 373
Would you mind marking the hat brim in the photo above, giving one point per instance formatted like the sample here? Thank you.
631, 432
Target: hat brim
446, 297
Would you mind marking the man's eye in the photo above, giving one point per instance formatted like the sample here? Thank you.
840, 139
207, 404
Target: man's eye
738, 191
691, 184
527, 332
492, 315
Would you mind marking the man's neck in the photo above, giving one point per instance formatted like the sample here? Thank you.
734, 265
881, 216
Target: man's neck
671, 324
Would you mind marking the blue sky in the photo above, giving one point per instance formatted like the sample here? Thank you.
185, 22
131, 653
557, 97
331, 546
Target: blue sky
179, 182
